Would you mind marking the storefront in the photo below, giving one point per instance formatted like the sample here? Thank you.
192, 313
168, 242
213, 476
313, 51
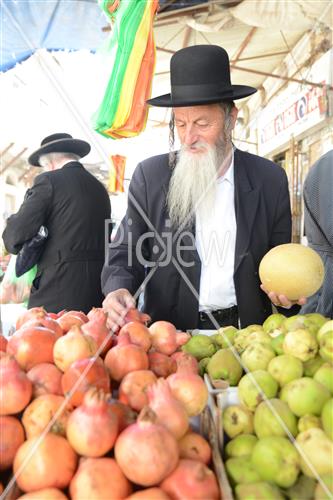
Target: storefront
295, 129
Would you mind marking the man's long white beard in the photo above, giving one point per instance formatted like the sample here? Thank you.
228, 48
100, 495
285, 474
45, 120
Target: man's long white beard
192, 186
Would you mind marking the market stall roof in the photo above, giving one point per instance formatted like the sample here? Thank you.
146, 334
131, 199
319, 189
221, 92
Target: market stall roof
58, 91
28, 25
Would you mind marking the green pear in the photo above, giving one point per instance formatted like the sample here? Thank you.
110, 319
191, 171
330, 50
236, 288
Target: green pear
274, 418
305, 395
240, 340
224, 365
277, 343
241, 471
254, 386
300, 321
326, 346
303, 489
308, 422
254, 328
276, 460
316, 452
324, 375
225, 336
317, 318
200, 346
327, 418
241, 446
301, 344
324, 489
283, 394
246, 336
257, 356
327, 327
258, 491
203, 365
237, 419
285, 368
312, 365
273, 322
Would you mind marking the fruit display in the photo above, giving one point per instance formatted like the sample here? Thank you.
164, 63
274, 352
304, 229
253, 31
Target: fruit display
278, 437
87, 413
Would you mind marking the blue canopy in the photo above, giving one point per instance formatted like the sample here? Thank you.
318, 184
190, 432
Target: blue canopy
28, 25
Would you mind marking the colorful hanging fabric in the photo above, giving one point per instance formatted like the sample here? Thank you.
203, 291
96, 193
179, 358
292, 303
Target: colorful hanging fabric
117, 174
123, 111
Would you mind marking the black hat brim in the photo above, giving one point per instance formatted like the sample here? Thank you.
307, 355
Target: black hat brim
235, 92
75, 146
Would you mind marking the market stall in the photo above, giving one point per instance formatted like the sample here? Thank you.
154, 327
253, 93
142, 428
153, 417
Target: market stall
157, 413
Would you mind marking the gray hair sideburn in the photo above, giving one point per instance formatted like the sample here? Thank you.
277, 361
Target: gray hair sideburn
48, 158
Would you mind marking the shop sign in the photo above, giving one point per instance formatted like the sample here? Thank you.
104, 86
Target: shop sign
295, 110
295, 117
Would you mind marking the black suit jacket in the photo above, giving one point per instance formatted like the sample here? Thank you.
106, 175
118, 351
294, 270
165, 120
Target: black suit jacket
171, 290
73, 205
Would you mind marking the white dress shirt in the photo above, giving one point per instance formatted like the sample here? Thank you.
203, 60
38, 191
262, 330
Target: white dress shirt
215, 242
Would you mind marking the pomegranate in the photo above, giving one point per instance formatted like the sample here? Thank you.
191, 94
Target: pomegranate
125, 358
45, 494
169, 411
92, 428
135, 315
146, 451
56, 315
11, 438
44, 462
189, 389
183, 357
33, 313
99, 479
149, 494
125, 415
73, 346
70, 319
16, 388
195, 447
46, 379
46, 322
133, 388
97, 329
161, 364
81, 376
47, 411
191, 479
165, 338
31, 346
3, 343
138, 334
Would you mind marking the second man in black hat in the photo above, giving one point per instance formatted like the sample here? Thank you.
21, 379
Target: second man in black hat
73, 205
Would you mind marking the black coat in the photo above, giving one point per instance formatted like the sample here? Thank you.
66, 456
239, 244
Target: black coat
263, 218
73, 205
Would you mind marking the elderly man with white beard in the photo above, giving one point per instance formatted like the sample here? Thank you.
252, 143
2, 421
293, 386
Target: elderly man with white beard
199, 220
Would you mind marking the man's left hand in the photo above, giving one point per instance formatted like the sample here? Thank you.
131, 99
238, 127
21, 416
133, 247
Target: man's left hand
282, 300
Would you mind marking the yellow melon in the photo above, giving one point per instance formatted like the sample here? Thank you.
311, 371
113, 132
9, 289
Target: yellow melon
292, 270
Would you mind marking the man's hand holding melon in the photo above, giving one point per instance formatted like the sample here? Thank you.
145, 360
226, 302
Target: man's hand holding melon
290, 273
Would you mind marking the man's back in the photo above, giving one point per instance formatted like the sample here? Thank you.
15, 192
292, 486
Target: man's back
73, 205
78, 208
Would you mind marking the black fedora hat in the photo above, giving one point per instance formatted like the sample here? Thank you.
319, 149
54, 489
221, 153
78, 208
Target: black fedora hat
200, 75
59, 143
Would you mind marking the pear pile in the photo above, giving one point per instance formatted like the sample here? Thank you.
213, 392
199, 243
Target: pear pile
280, 435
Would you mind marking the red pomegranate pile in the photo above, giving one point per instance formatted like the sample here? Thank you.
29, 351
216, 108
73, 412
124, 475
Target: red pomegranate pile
85, 413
